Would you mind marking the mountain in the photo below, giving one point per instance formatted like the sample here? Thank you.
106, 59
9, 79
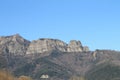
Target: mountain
15, 45
57, 59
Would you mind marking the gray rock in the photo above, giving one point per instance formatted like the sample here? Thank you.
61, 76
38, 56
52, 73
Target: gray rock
44, 45
14, 44
86, 48
74, 46
17, 45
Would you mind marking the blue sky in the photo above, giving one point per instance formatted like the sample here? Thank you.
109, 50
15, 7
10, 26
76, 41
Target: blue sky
96, 23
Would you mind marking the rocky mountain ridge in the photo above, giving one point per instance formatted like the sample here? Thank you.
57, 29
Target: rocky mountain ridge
57, 59
14, 44
17, 45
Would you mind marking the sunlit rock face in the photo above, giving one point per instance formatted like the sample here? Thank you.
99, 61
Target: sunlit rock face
85, 48
17, 45
44, 45
74, 46
14, 44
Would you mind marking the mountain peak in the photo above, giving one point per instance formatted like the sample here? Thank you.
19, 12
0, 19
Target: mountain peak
14, 44
16, 35
47, 44
18, 45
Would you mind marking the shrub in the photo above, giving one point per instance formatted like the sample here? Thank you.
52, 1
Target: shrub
24, 78
5, 76
77, 78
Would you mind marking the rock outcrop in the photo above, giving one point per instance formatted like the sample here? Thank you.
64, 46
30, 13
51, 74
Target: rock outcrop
17, 45
44, 45
74, 46
86, 48
14, 44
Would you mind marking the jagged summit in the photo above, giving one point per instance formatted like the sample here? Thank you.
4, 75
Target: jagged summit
46, 44
14, 35
18, 45
57, 59
14, 44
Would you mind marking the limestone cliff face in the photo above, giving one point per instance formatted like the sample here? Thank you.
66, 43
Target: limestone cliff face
74, 46
14, 44
44, 45
85, 48
17, 45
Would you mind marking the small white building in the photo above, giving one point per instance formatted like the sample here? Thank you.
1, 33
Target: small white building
44, 76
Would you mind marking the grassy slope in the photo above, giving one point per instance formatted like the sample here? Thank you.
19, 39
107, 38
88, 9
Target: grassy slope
47, 67
104, 72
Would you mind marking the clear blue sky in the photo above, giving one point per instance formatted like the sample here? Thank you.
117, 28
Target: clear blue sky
96, 23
